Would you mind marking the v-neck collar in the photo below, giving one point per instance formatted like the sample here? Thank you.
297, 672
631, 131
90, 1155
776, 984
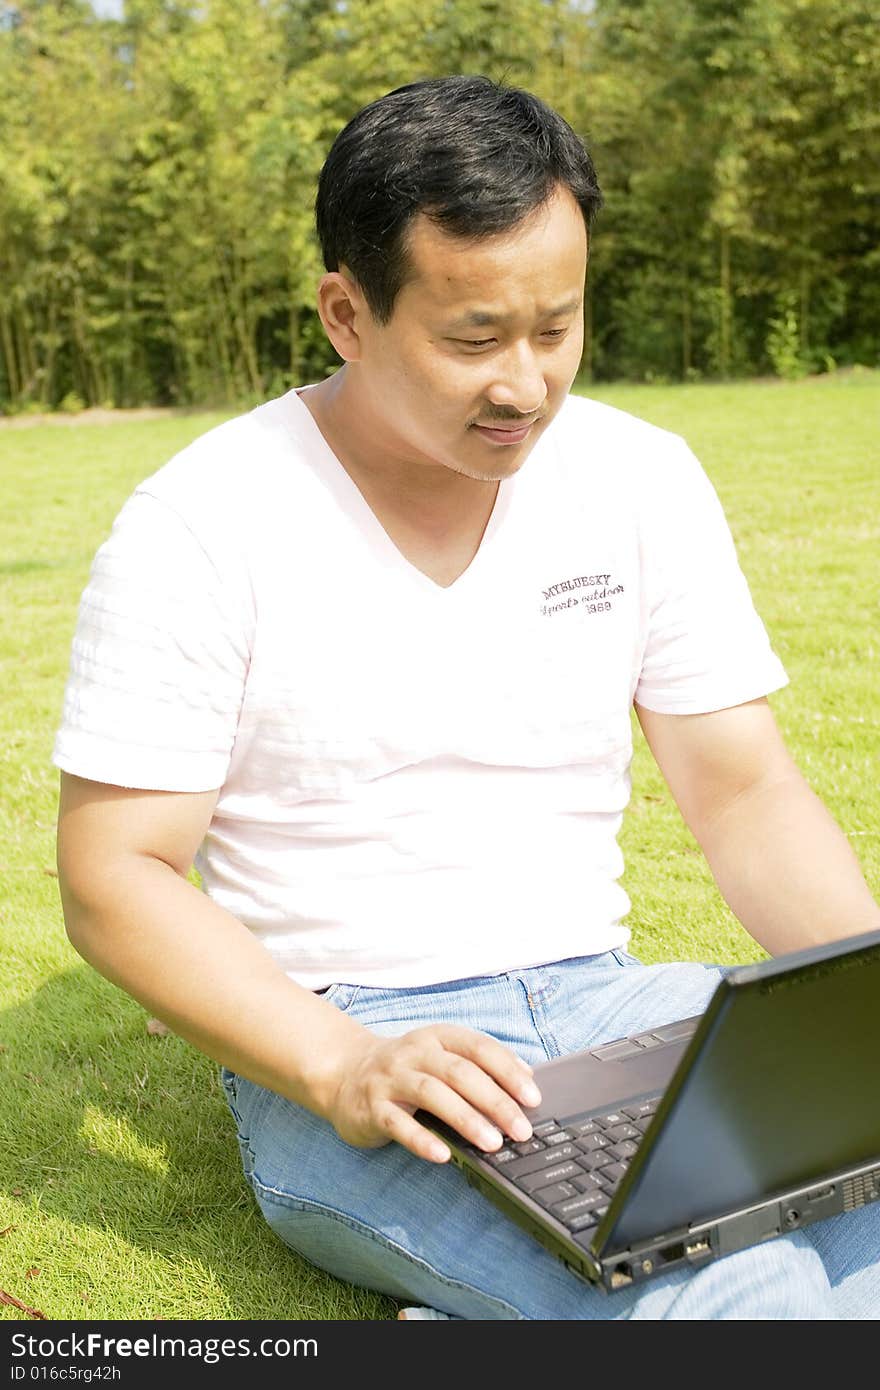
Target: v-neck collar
356, 507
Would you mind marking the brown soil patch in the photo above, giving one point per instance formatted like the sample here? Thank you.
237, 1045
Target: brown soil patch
96, 416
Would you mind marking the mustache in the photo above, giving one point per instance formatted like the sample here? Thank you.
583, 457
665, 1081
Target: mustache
494, 418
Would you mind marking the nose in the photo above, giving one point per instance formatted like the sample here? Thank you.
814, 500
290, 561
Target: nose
518, 380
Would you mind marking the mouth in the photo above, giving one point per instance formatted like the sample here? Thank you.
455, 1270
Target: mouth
504, 434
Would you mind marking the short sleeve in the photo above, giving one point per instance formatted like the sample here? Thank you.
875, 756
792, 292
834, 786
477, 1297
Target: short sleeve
706, 647
158, 662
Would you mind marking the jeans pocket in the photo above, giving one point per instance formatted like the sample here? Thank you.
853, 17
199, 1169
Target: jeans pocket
340, 996
229, 1083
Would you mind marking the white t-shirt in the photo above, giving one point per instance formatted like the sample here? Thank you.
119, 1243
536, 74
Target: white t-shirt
417, 784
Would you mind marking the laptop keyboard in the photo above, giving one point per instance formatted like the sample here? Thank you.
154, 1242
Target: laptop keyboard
574, 1169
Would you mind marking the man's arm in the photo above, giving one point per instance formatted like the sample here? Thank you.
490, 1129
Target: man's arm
123, 858
782, 863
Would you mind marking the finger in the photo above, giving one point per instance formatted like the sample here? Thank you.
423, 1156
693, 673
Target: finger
400, 1125
481, 1094
432, 1093
509, 1071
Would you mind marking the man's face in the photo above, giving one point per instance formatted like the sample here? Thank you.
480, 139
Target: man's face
483, 344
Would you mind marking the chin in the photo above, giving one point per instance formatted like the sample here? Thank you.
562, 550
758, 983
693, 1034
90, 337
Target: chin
493, 472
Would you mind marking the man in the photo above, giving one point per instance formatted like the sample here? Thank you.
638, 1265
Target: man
369, 654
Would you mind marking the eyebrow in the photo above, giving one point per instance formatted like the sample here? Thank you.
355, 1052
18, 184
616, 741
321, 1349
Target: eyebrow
479, 318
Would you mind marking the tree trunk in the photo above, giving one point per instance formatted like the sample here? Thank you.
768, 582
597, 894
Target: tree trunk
586, 367
24, 334
805, 309
126, 383
724, 334
48, 385
10, 362
294, 357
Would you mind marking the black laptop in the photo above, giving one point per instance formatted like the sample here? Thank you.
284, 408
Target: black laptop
685, 1143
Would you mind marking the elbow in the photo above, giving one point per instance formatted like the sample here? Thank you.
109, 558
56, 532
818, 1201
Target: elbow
92, 891
79, 915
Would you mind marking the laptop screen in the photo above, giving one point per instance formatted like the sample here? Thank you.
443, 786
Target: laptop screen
779, 1089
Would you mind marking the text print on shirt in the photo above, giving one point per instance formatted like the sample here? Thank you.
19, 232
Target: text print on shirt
597, 599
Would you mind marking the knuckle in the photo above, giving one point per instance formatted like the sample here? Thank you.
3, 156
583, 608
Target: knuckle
459, 1071
423, 1088
384, 1118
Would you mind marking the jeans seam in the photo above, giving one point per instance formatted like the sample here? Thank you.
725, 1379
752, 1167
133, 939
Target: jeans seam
549, 1042
283, 1199
347, 1000
618, 951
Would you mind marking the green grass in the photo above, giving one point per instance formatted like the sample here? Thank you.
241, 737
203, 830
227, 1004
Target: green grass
120, 1181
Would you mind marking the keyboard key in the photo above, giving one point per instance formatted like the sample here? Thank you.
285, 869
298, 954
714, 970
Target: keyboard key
586, 1223
586, 1182
544, 1128
528, 1146
533, 1163
585, 1226
577, 1206
644, 1107
591, 1162
501, 1156
624, 1150
563, 1172
557, 1192
581, 1127
624, 1131
610, 1176
561, 1136
590, 1142
614, 1118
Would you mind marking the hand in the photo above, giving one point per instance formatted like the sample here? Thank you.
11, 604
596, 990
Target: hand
473, 1083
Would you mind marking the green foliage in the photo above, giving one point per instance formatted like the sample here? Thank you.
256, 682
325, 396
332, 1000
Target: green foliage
784, 339
157, 180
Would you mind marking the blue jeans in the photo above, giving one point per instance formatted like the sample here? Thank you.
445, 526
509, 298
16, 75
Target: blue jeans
416, 1231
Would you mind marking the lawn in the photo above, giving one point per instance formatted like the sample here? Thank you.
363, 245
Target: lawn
120, 1190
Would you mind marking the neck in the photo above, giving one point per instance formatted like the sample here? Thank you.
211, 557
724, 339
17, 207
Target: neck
382, 466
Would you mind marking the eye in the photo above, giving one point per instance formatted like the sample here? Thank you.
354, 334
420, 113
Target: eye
554, 333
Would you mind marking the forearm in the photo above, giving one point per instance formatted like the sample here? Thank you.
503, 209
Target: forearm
786, 869
196, 967
123, 857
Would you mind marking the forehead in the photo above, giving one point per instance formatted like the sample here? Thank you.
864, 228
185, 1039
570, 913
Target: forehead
541, 261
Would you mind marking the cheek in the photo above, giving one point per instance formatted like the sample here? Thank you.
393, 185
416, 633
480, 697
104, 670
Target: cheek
567, 358
415, 373
444, 387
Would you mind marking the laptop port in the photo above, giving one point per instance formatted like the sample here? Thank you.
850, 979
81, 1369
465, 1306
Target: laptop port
821, 1194
670, 1254
697, 1247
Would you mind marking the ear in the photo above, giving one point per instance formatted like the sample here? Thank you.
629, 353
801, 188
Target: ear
342, 307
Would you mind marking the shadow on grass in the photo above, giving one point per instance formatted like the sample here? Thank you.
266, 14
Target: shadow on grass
127, 1137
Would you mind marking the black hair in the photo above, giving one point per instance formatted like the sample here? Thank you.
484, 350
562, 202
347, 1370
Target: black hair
473, 155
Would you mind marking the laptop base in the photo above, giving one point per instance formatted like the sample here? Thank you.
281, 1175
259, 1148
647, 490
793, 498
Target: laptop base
701, 1244
698, 1245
